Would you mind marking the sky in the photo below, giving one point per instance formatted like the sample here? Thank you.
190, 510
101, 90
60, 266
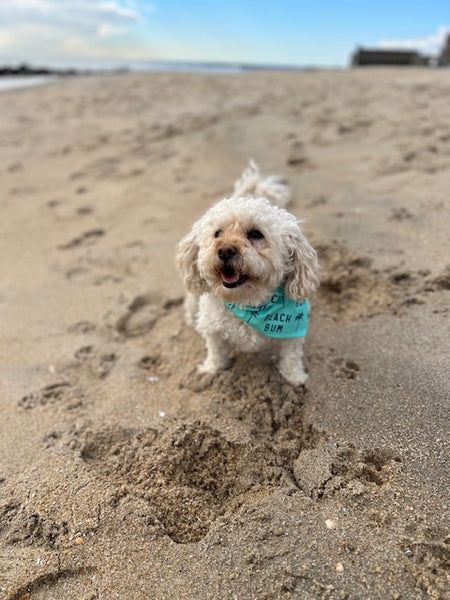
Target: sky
283, 32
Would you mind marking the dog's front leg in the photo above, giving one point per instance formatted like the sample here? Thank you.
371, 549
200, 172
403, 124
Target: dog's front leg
191, 309
217, 357
290, 363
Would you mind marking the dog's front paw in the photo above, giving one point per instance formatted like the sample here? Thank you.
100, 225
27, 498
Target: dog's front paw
197, 382
212, 367
295, 378
207, 368
299, 380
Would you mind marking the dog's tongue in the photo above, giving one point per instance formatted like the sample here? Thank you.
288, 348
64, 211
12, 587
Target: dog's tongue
229, 276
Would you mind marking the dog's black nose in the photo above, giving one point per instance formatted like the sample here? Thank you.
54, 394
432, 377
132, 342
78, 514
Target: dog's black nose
226, 252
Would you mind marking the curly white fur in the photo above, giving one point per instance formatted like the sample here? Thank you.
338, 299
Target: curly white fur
252, 183
240, 251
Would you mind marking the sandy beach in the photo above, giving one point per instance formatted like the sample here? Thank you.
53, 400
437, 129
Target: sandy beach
123, 474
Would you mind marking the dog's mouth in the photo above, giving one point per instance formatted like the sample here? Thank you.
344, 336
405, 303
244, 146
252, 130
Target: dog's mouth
232, 278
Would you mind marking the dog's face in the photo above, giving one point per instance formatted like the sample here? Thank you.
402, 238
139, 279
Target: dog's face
239, 258
243, 249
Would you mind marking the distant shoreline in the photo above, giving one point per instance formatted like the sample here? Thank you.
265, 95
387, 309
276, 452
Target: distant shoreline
142, 66
22, 76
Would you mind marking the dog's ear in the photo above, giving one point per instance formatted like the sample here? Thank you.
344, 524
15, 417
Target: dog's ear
302, 275
186, 261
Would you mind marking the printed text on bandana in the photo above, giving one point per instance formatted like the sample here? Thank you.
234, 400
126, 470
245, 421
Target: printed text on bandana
279, 317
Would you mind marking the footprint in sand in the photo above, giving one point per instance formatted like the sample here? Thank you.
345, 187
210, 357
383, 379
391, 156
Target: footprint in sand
62, 210
400, 214
142, 314
62, 392
52, 584
324, 471
317, 201
297, 156
15, 167
106, 166
351, 288
100, 265
20, 525
345, 369
149, 361
22, 190
99, 364
54, 203
81, 327
429, 551
442, 280
85, 210
85, 239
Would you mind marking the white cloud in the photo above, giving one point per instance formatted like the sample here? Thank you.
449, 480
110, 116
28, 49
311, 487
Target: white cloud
430, 44
92, 52
33, 30
25, 6
6, 38
79, 13
107, 30
117, 11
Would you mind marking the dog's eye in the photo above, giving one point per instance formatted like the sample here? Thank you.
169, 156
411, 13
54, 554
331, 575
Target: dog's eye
218, 232
255, 234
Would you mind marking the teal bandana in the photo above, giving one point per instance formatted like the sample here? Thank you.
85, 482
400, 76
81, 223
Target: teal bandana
279, 317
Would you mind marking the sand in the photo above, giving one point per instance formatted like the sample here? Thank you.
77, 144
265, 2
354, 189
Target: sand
125, 475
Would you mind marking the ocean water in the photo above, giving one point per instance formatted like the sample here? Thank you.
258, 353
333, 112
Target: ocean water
10, 82
187, 67
205, 67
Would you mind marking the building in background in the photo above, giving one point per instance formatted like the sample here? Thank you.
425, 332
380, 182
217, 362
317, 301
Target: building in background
363, 57
444, 57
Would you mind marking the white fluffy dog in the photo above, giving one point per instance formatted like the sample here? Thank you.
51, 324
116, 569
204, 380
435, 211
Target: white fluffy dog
249, 271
